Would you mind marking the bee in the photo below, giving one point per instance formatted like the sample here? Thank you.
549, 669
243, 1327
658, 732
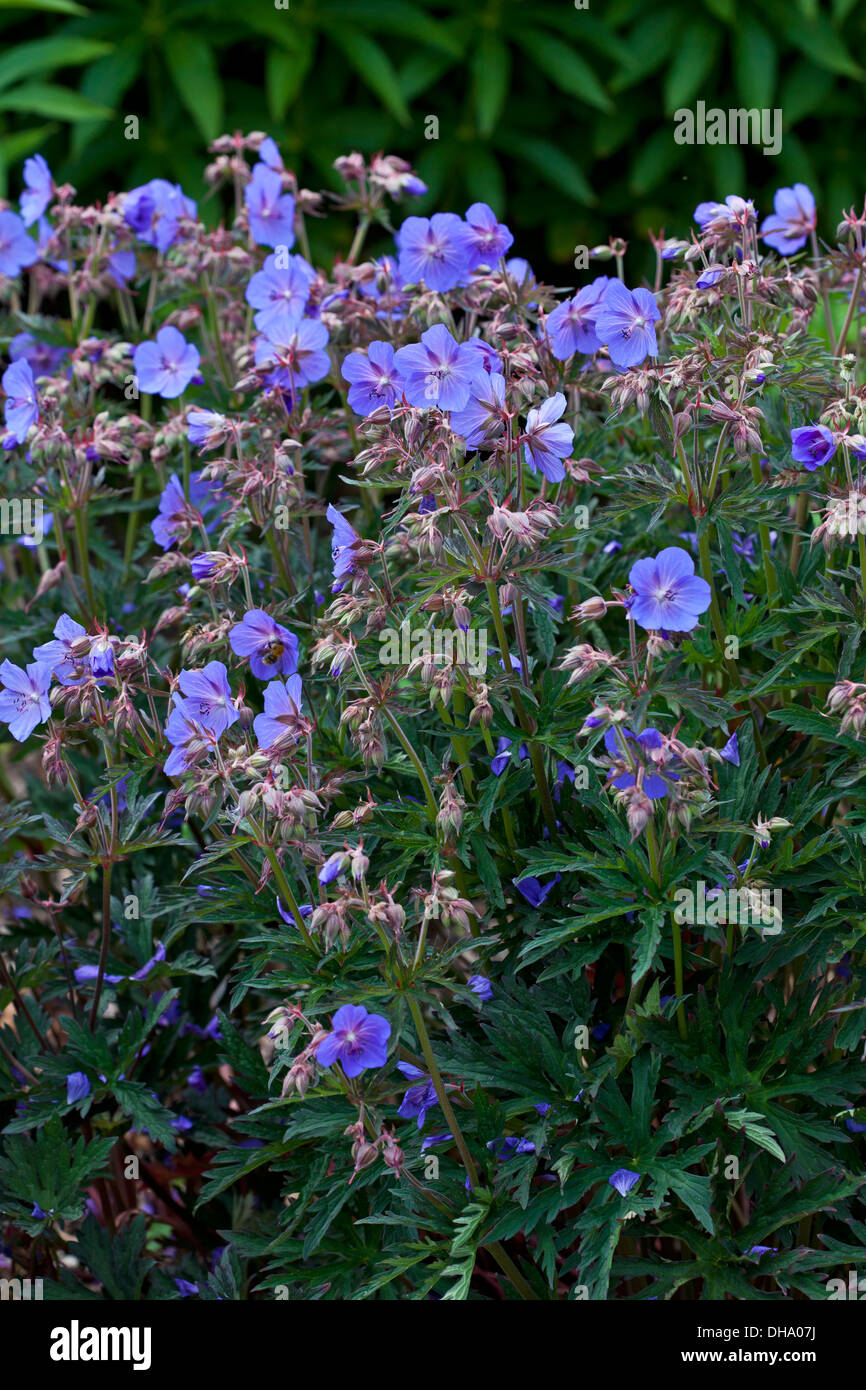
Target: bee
273, 651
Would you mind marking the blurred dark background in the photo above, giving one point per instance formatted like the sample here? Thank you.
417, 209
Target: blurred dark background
561, 118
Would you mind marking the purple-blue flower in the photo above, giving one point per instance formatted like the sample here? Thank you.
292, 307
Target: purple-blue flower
206, 429
153, 211
533, 890
17, 249
625, 322
624, 1180
654, 782
208, 696
282, 708
481, 986
58, 656
418, 1099
271, 211
24, 701
279, 292
358, 1040
500, 761
342, 544
438, 371
733, 212
546, 443
731, 751
77, 1087
271, 648
44, 358
21, 407
668, 593
483, 416
509, 1147
787, 229
373, 377
165, 366
437, 250
487, 240
176, 514
39, 189
813, 446
571, 326
297, 354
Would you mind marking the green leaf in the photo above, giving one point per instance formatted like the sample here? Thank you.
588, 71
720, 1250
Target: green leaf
646, 942
53, 6
756, 63
654, 161
192, 65
491, 73
694, 56
45, 99
552, 164
822, 45
285, 70
45, 55
564, 67
373, 65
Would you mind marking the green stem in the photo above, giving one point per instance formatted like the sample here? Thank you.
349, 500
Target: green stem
536, 756
287, 894
506, 1264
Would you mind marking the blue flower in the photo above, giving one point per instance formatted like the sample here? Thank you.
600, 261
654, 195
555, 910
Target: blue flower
533, 890
436, 250
373, 377
154, 210
654, 783
571, 326
343, 542
358, 1040
481, 986
483, 416
271, 648
625, 322
24, 701
40, 189
279, 723
510, 1146
499, 763
175, 514
165, 367
206, 429
487, 240
77, 1087
788, 228
271, 211
296, 354
279, 292
624, 1180
546, 443
438, 371
418, 1099
208, 696
731, 751
17, 249
813, 446
668, 593
21, 407
333, 867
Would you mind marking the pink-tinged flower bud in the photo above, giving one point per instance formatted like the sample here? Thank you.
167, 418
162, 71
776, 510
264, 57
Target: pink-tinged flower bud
638, 812
590, 610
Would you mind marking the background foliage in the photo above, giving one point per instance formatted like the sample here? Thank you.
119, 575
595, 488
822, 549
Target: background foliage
560, 118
